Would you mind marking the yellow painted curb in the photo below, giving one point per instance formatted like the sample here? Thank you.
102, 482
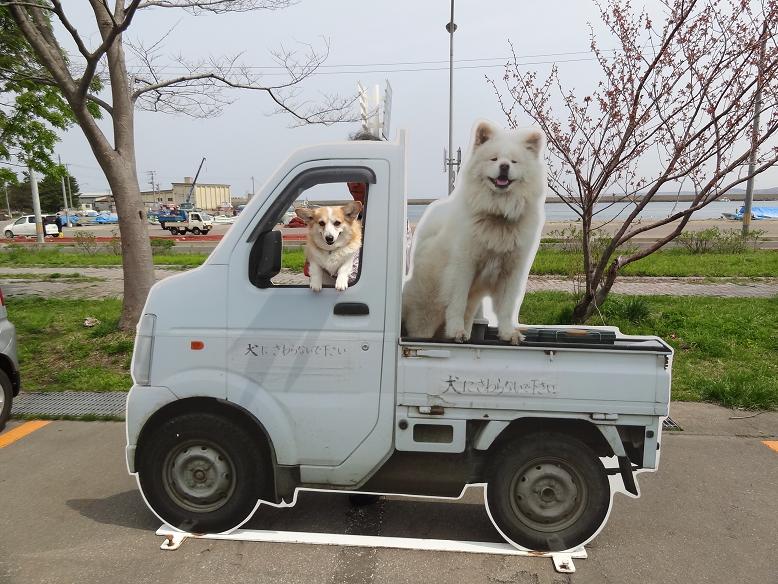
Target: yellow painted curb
21, 431
771, 444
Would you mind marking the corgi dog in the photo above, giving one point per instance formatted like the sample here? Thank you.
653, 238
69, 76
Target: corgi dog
334, 239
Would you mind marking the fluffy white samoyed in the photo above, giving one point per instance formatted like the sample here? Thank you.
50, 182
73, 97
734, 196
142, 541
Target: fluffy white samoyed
481, 240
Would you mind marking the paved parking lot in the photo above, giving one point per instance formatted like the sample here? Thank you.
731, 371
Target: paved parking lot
70, 513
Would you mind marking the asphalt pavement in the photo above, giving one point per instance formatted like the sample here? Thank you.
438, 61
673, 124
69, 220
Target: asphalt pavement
70, 513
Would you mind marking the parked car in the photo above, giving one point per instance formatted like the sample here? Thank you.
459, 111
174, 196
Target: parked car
9, 366
25, 226
224, 219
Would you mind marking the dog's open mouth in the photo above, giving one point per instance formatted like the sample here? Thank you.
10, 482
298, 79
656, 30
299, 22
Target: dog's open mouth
501, 182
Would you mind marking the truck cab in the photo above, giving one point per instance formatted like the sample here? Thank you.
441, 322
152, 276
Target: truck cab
274, 388
182, 221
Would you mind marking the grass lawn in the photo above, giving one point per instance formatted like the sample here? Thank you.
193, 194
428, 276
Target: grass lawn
672, 262
55, 257
726, 347
57, 352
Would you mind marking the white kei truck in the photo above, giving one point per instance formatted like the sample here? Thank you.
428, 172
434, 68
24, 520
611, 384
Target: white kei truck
274, 388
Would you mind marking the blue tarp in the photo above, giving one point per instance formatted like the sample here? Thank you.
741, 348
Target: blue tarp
758, 213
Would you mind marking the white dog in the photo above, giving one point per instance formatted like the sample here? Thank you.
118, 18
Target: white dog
481, 240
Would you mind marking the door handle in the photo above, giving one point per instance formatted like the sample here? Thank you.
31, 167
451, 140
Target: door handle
351, 309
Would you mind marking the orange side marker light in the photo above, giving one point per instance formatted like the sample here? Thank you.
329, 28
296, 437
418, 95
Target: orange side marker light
197, 345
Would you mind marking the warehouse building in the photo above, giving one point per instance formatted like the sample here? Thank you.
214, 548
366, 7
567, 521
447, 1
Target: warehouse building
206, 195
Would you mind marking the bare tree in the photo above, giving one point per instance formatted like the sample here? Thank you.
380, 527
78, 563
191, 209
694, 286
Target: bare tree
196, 92
678, 97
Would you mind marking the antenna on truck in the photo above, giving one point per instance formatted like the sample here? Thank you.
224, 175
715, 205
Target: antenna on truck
187, 205
375, 112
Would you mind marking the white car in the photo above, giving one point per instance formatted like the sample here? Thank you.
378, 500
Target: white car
224, 219
25, 225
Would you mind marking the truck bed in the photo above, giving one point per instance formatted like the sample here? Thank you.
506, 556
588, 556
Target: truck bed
565, 369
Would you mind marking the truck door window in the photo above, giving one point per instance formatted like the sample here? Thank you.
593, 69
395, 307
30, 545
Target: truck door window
320, 187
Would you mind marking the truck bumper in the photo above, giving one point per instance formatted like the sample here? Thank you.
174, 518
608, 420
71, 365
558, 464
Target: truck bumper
142, 402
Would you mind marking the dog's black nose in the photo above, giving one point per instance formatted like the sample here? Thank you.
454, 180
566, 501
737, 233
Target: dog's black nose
504, 169
329, 239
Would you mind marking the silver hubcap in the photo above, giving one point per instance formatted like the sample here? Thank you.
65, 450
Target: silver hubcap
199, 476
548, 495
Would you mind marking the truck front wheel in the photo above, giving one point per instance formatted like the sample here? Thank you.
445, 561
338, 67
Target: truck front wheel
547, 491
196, 230
202, 473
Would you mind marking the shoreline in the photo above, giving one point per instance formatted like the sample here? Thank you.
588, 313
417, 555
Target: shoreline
769, 227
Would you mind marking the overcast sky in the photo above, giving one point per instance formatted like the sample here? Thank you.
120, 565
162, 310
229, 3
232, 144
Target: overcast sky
365, 38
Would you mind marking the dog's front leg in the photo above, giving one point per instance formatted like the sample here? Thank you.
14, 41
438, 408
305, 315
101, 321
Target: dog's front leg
316, 273
344, 271
506, 308
457, 280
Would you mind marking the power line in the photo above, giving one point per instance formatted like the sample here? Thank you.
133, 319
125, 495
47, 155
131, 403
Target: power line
420, 69
398, 63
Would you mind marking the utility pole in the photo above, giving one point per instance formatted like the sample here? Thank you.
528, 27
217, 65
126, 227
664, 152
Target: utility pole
252, 187
70, 195
7, 204
755, 133
64, 196
36, 205
449, 157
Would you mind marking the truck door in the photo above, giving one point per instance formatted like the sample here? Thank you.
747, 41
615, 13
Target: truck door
317, 356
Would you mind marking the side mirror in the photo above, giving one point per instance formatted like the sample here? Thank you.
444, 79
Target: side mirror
265, 259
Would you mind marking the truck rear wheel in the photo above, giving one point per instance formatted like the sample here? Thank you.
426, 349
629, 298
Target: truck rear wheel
202, 473
547, 491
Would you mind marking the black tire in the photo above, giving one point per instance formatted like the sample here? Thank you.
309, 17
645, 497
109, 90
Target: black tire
547, 492
173, 230
196, 230
227, 473
6, 397
9, 234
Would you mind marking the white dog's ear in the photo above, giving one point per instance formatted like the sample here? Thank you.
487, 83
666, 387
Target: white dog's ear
483, 133
305, 213
352, 210
535, 141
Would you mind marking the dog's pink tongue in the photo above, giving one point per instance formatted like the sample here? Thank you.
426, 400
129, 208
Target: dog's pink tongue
501, 182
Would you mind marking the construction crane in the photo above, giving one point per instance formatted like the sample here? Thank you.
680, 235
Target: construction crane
188, 205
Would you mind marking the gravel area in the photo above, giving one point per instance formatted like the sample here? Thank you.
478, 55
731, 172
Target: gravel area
111, 284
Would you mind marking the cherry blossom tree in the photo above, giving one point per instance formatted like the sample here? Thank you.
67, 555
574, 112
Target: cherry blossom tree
677, 95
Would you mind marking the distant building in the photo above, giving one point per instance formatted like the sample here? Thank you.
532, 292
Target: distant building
87, 200
205, 196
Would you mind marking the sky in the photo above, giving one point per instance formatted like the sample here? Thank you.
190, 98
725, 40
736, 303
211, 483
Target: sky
402, 41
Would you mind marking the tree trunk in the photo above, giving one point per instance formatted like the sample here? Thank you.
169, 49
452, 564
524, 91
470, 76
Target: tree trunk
591, 301
136, 249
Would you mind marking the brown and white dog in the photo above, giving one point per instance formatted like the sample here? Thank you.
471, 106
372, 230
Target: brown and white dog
334, 239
